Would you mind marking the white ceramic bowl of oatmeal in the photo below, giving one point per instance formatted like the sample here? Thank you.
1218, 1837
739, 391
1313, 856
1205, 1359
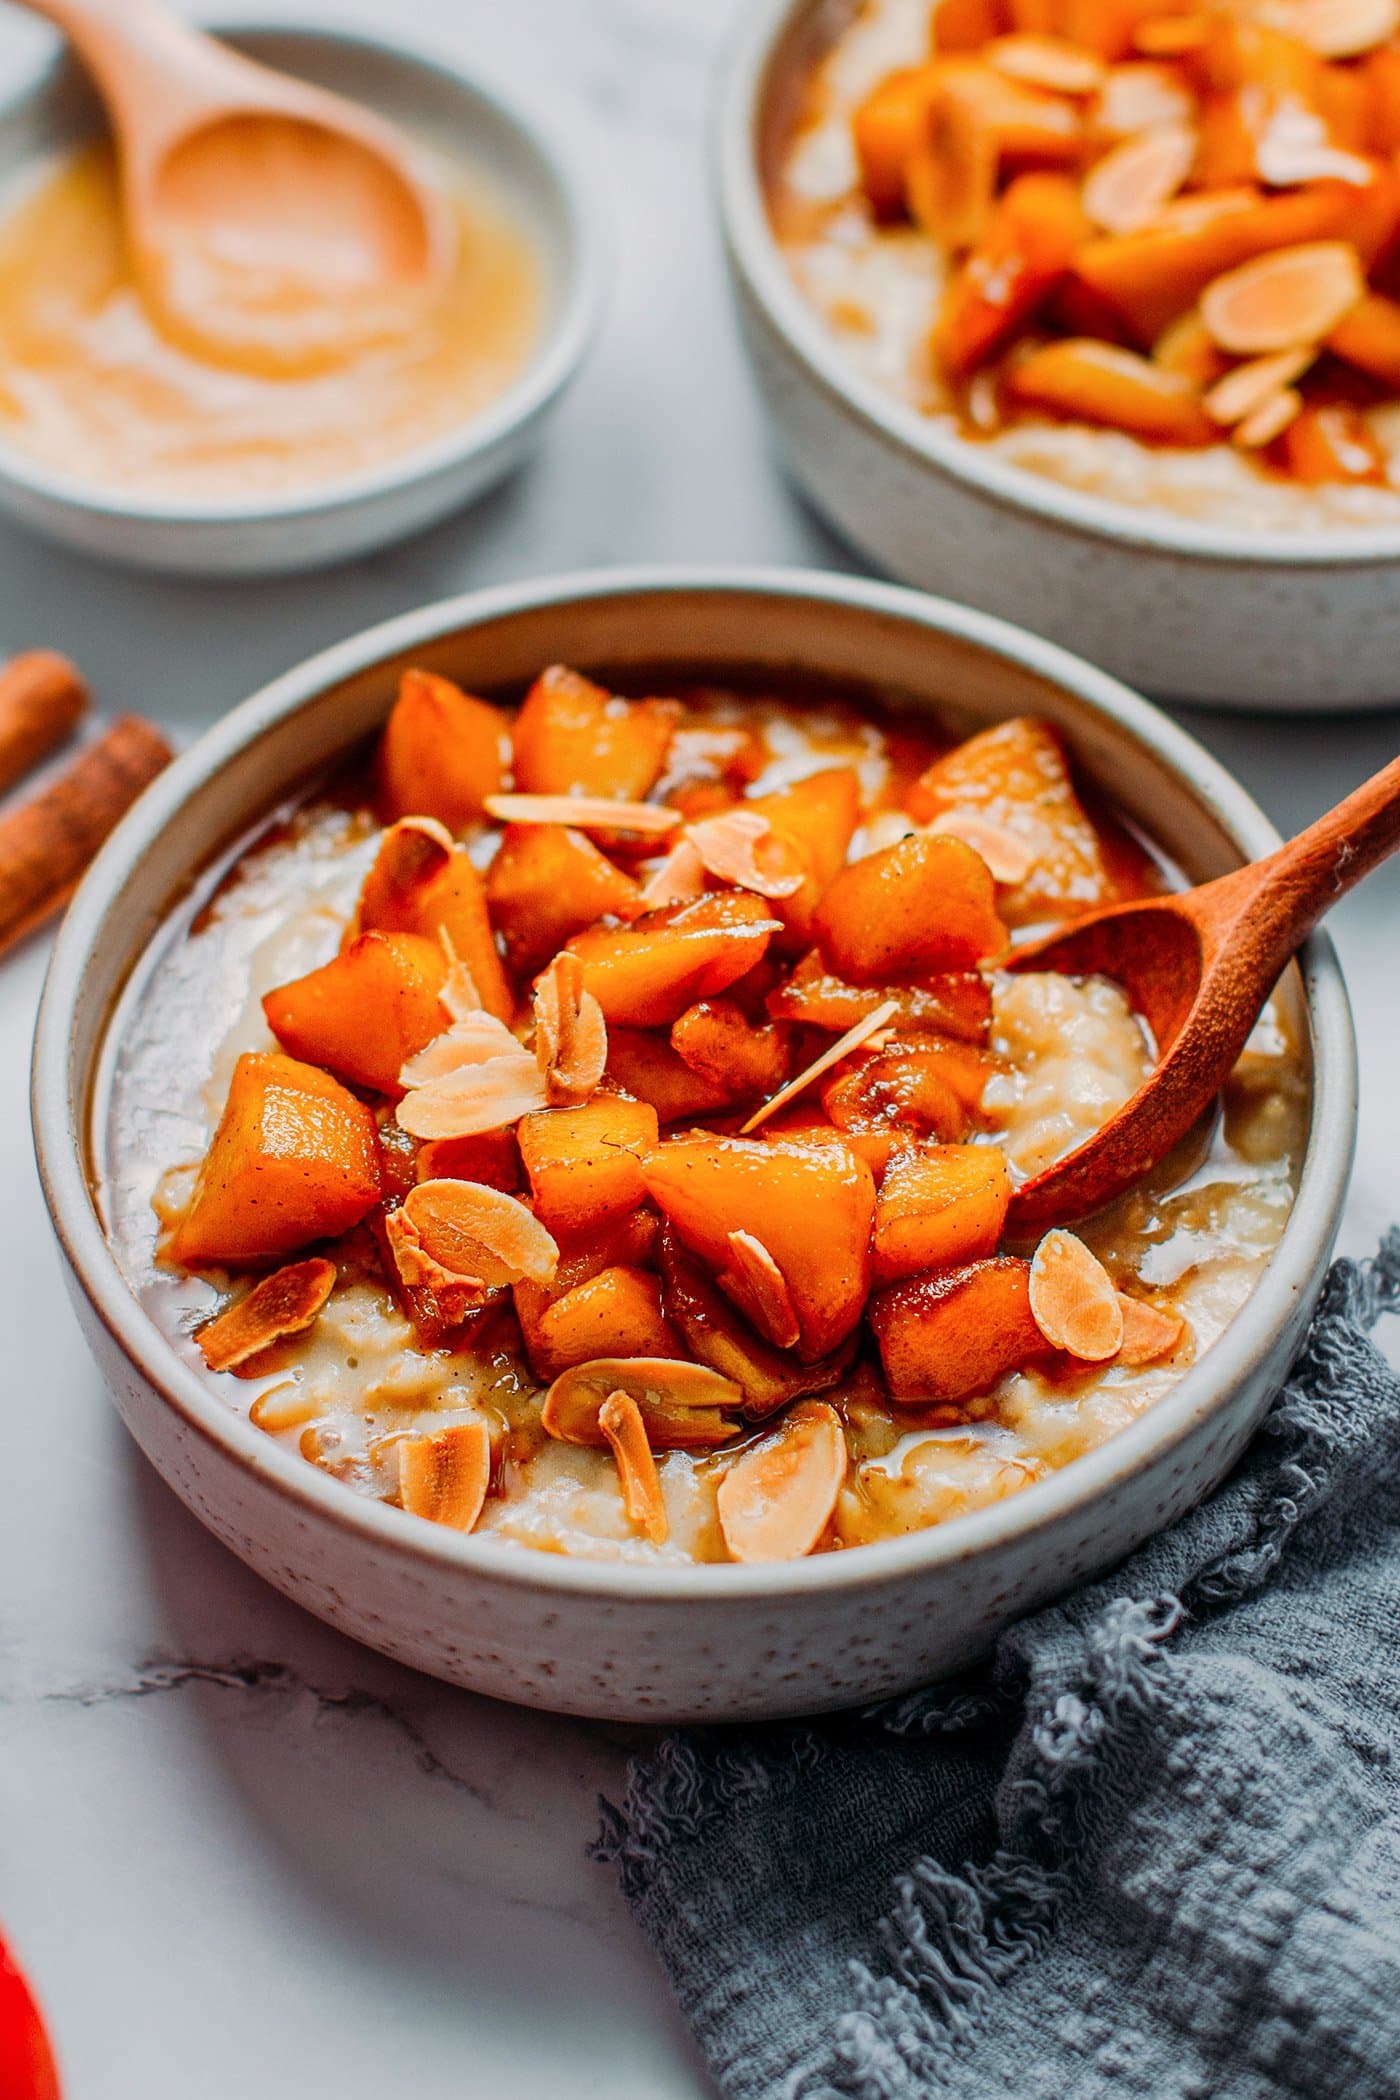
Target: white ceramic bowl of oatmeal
1186, 574
597, 1624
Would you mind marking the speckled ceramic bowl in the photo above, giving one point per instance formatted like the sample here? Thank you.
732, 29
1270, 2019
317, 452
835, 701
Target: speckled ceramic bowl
451, 112
712, 1642
1251, 620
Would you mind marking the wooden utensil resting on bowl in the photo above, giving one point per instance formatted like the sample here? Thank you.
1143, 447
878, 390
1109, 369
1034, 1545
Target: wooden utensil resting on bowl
270, 220
1198, 968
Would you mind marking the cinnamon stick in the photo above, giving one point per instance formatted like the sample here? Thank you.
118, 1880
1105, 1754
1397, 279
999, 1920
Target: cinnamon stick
42, 699
47, 842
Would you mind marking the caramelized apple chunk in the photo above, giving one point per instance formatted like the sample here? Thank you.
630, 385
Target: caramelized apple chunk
574, 738
584, 1163
422, 884
442, 753
367, 1011
293, 1160
647, 974
816, 818
939, 1207
616, 1313
950, 1335
956, 1003
547, 882
810, 1206
921, 906
721, 1045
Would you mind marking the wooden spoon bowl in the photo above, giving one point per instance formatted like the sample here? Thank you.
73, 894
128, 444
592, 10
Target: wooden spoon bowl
1198, 969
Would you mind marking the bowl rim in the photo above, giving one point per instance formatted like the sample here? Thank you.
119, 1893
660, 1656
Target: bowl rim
562, 346
1239, 1353
758, 263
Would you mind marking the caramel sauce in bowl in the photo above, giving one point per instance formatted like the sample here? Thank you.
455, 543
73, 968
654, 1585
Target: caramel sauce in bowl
126, 438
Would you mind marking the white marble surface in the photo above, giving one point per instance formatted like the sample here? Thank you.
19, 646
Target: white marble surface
236, 1853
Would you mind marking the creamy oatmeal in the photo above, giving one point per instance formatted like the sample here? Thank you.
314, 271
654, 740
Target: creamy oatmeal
1149, 255
642, 1185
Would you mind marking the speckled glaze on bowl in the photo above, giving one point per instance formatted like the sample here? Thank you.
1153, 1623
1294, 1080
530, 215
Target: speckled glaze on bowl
1248, 620
448, 109
623, 1641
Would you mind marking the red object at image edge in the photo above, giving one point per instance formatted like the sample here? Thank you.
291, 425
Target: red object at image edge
27, 2067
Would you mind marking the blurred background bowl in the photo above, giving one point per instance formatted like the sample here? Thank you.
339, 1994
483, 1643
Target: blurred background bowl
460, 117
1250, 620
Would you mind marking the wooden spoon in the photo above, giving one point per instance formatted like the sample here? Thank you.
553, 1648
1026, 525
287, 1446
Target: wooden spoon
1198, 968
271, 224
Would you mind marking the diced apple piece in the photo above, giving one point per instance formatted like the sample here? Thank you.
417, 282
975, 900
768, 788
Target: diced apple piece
548, 882
1017, 776
574, 738
584, 1163
923, 905
939, 1207
492, 1157
817, 816
367, 1011
715, 1333
956, 1003
810, 1206
900, 1090
293, 1160
437, 892
616, 1313
645, 1065
647, 974
721, 1045
951, 1335
443, 752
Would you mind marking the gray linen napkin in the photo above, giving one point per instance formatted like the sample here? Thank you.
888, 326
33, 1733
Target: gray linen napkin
1151, 1848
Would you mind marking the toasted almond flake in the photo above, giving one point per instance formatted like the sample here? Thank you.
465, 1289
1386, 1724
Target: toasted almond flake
477, 1233
1297, 147
280, 1306
459, 995
1073, 1300
620, 1420
1269, 420
1250, 385
454, 1295
1129, 186
1134, 97
1343, 28
683, 1405
410, 854
285, 1406
680, 878
1171, 36
1008, 856
775, 1501
584, 812
1049, 62
759, 1289
1288, 297
1148, 1333
444, 1476
740, 846
476, 1076
950, 183
571, 1036
869, 1025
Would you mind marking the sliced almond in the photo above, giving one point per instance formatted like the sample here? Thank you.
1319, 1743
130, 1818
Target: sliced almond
474, 1233
775, 1502
1250, 385
680, 879
1050, 62
620, 1420
571, 1036
1297, 147
476, 1076
281, 1305
410, 854
1129, 186
1284, 299
1009, 857
1343, 28
683, 1405
584, 813
459, 995
1269, 420
444, 1477
869, 1025
740, 846
950, 181
1073, 1300
1134, 97
758, 1287
1148, 1333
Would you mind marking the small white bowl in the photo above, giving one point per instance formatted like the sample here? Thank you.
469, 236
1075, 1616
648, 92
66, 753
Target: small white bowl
432, 98
613, 1639
1248, 620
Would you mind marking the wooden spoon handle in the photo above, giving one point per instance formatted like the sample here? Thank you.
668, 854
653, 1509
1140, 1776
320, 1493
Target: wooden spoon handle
1276, 902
